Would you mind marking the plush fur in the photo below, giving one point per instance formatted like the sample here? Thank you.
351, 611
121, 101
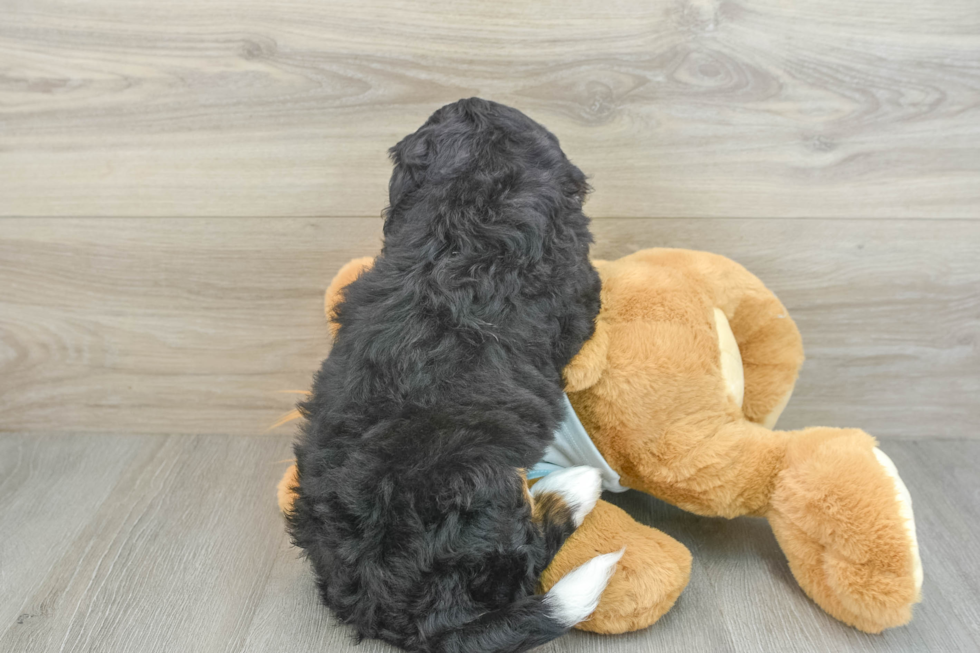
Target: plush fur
649, 578
444, 381
650, 391
651, 388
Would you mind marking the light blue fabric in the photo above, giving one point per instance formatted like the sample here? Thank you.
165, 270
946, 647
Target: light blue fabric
542, 469
572, 447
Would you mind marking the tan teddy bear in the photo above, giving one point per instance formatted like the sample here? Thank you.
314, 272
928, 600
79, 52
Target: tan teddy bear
692, 362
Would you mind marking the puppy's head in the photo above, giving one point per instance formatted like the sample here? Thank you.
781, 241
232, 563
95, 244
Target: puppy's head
482, 179
485, 225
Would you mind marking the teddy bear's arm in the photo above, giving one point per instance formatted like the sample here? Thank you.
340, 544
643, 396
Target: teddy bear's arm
286, 490
769, 342
350, 271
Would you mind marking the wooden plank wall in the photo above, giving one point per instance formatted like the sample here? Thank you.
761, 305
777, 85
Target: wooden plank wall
193, 325
179, 181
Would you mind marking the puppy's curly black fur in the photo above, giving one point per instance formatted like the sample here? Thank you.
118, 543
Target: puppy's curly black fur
445, 378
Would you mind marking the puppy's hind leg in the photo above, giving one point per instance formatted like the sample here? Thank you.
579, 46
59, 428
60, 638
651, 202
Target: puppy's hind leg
577, 487
560, 501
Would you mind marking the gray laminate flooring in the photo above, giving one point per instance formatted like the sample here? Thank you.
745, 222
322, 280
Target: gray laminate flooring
173, 543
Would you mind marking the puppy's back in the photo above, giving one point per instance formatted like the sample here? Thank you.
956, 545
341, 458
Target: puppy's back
444, 380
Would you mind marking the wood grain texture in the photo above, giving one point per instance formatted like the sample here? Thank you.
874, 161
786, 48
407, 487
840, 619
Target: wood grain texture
195, 326
165, 326
175, 559
51, 487
677, 108
174, 543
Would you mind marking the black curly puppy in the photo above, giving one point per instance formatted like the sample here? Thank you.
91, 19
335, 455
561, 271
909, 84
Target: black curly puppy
444, 381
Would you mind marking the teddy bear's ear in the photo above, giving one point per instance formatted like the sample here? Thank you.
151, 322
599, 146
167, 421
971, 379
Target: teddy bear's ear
587, 367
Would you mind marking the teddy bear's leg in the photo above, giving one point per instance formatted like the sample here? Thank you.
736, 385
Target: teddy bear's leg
652, 573
844, 519
837, 508
286, 490
344, 276
725, 470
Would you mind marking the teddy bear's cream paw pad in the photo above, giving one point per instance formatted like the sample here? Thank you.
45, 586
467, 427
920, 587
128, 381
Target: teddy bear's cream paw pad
579, 487
576, 595
905, 510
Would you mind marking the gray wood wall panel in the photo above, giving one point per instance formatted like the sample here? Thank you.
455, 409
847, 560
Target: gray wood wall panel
689, 108
158, 325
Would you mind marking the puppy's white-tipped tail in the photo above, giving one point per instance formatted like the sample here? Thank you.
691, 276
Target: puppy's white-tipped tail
533, 620
576, 595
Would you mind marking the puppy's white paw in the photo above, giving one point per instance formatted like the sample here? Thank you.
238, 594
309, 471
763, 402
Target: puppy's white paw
576, 595
579, 487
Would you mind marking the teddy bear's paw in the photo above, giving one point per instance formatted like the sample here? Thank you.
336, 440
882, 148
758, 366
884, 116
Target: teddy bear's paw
844, 521
576, 595
864, 594
579, 487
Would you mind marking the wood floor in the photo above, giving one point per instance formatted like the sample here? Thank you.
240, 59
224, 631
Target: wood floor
117, 543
